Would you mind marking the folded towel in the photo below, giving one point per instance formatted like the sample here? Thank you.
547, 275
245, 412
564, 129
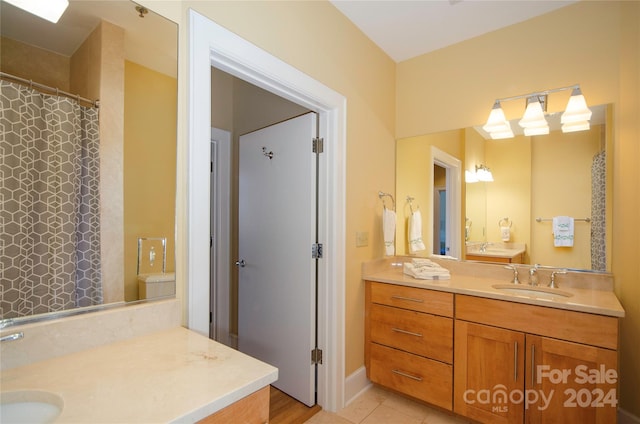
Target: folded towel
427, 272
424, 263
505, 233
563, 231
415, 232
389, 231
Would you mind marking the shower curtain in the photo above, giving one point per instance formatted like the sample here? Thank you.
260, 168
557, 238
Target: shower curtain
49, 203
598, 211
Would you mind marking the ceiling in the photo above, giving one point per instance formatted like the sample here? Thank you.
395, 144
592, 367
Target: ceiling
151, 41
406, 29
403, 29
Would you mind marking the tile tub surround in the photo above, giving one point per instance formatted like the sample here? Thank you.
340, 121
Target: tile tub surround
174, 375
57, 337
592, 292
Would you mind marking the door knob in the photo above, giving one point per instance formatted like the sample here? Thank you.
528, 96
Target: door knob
241, 263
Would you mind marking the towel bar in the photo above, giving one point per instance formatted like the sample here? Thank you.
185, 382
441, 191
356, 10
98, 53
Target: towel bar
551, 219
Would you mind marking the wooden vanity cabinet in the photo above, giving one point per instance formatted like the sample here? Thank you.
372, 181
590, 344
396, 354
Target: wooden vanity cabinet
409, 341
507, 352
253, 409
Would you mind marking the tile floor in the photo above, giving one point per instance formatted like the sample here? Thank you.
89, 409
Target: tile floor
379, 406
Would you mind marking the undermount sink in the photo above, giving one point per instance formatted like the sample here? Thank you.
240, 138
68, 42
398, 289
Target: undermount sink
534, 291
29, 406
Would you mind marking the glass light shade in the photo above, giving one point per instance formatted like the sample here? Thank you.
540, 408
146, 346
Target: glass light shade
470, 177
533, 114
542, 130
484, 174
51, 10
499, 135
577, 110
576, 126
497, 121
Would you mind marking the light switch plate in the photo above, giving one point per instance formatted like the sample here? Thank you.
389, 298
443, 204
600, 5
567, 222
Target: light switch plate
362, 238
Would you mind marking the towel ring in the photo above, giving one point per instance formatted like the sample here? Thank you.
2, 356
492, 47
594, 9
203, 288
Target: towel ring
382, 195
505, 221
410, 202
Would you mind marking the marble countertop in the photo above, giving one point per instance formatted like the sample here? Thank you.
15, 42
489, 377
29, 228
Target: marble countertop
583, 299
174, 375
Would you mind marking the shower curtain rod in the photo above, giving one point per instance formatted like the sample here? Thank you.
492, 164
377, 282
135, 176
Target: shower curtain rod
58, 92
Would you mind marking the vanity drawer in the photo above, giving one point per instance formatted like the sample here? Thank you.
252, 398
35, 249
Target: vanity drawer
415, 332
415, 299
422, 378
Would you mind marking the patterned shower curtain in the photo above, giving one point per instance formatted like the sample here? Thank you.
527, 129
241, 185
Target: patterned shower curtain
49, 203
598, 213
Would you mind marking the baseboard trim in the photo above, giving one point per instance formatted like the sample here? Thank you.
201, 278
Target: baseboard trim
625, 417
355, 384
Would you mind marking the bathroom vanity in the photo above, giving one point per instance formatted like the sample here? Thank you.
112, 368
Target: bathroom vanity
492, 351
168, 374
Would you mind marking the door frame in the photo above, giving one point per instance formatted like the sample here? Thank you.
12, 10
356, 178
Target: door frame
220, 223
212, 45
453, 167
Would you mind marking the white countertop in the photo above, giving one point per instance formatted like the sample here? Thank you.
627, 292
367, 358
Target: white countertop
174, 375
602, 302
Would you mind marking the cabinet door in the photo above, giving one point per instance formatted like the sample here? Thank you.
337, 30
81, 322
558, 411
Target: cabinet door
488, 373
572, 383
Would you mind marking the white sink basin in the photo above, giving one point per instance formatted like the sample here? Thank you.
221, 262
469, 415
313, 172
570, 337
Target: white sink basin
29, 406
533, 291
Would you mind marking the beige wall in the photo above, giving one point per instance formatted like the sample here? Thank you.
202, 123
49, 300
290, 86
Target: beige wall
149, 165
562, 187
33, 63
415, 178
346, 61
440, 91
595, 44
97, 72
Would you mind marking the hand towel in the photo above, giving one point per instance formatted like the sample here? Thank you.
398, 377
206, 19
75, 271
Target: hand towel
389, 231
427, 272
563, 231
415, 232
505, 232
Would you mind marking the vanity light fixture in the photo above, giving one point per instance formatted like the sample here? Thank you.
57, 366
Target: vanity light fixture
481, 174
575, 117
51, 10
497, 125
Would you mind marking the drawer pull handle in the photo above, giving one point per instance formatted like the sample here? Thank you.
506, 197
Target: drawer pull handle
397, 330
409, 299
404, 374
533, 365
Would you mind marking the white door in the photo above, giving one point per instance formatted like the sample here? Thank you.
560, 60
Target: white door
277, 227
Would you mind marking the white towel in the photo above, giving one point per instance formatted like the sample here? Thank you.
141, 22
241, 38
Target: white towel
426, 272
389, 231
505, 232
415, 232
562, 231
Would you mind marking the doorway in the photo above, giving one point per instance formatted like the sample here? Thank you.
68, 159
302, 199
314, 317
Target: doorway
447, 202
210, 45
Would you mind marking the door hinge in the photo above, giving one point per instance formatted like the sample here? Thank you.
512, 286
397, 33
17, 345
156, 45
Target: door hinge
316, 356
316, 251
318, 145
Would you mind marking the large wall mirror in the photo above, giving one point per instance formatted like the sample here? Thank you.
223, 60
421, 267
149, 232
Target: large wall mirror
535, 179
88, 192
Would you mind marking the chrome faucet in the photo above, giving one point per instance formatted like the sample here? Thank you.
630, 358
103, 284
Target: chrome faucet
553, 284
533, 275
483, 246
515, 274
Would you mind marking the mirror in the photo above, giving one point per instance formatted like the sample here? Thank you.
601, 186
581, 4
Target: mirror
535, 179
125, 56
